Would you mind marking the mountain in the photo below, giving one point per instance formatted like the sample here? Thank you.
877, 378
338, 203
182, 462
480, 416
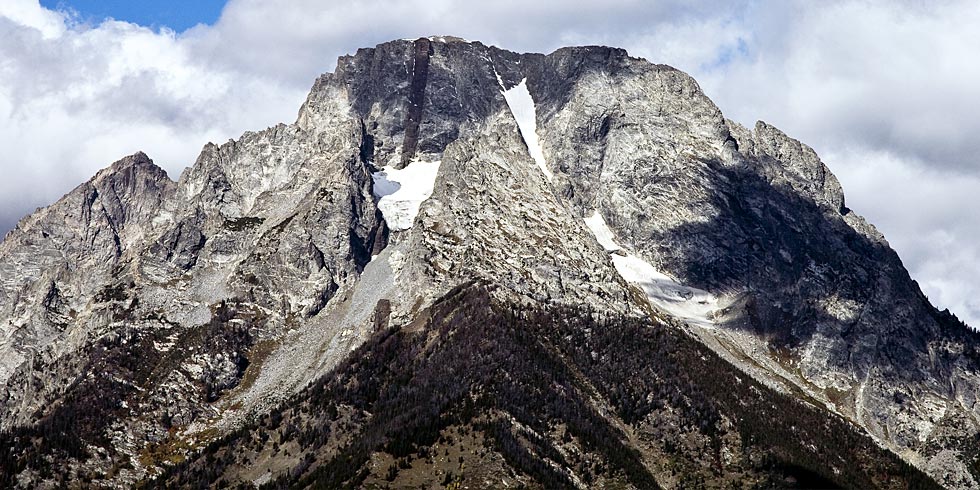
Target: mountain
467, 267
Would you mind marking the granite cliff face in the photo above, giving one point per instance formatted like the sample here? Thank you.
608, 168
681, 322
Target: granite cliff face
811, 298
440, 206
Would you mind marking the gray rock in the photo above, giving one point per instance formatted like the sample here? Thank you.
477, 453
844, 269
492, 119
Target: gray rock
168, 313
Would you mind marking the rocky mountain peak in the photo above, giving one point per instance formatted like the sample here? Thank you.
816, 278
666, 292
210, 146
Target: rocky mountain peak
132, 190
137, 162
801, 162
440, 206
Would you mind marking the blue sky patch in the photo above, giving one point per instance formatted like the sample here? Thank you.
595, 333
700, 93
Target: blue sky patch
178, 15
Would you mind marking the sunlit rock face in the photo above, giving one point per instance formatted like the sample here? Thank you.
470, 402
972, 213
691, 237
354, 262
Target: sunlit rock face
161, 315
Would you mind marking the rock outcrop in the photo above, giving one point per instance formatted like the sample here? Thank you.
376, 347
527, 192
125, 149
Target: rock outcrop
156, 317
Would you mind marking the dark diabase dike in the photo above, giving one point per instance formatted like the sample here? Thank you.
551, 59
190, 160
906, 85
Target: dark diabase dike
416, 97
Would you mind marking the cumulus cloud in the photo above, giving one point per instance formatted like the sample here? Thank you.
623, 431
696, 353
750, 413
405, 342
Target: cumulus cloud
885, 91
927, 214
890, 76
74, 98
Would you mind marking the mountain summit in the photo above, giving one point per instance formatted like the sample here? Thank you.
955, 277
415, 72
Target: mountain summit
467, 267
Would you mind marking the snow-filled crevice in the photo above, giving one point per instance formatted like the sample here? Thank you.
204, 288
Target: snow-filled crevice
522, 107
400, 192
690, 305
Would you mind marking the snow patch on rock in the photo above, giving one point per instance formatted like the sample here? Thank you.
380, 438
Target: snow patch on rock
522, 107
602, 233
400, 192
691, 305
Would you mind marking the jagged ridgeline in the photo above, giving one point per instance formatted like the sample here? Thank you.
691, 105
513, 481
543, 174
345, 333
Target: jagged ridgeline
464, 267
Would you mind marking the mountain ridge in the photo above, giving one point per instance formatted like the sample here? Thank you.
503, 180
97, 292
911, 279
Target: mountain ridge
270, 260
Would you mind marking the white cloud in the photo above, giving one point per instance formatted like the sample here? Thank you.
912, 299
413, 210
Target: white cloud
885, 91
74, 98
927, 214
28, 14
887, 75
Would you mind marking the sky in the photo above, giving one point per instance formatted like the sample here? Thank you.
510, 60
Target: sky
178, 15
887, 92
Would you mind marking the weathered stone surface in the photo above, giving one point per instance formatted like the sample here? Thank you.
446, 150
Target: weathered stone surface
187, 307
755, 216
55, 260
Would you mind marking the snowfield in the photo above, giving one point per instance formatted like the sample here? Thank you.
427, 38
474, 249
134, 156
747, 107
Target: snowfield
602, 232
401, 192
690, 305
522, 106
